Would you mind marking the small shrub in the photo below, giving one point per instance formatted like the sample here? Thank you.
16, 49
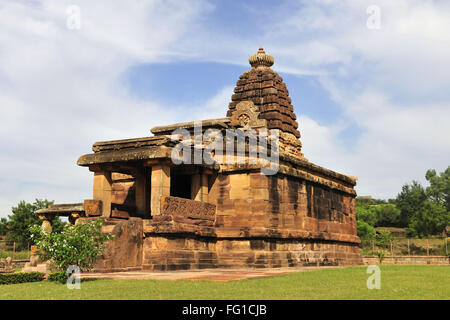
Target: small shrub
380, 255
383, 239
20, 277
60, 276
78, 245
365, 230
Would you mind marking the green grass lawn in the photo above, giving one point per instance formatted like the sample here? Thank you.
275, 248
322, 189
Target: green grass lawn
397, 282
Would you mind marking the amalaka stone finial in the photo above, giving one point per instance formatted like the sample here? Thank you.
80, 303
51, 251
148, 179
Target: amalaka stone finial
261, 59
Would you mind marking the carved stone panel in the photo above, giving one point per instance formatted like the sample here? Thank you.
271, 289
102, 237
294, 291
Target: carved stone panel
246, 116
175, 206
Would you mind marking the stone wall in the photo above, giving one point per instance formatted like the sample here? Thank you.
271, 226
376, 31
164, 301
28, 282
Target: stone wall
253, 204
179, 252
434, 260
250, 220
260, 221
182, 252
125, 251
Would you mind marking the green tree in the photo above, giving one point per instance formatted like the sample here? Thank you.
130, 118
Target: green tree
410, 200
387, 215
439, 189
23, 217
430, 219
377, 213
365, 230
3, 226
367, 215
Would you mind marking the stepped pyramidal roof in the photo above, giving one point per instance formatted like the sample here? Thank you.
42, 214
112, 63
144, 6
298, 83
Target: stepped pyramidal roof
266, 89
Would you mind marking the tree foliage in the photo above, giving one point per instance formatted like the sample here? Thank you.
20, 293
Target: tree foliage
388, 215
439, 189
381, 214
3, 226
430, 219
410, 200
23, 216
78, 245
423, 211
365, 230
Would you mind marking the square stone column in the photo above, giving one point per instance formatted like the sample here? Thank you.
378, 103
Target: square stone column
102, 191
199, 187
160, 186
195, 187
142, 181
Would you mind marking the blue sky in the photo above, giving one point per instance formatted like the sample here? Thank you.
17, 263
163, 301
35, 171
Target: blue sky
373, 103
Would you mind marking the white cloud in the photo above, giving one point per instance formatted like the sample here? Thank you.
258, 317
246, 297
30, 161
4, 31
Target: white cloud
61, 90
393, 83
216, 106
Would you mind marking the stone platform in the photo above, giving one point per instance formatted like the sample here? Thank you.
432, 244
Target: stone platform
217, 274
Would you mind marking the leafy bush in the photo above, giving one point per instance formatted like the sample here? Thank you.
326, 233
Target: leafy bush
380, 255
78, 245
383, 239
377, 213
388, 215
60, 276
365, 230
20, 277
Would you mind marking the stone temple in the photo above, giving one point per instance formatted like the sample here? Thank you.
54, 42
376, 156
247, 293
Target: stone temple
258, 205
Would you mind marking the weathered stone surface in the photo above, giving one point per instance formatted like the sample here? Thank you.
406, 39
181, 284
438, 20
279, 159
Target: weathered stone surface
123, 155
205, 124
187, 208
131, 143
246, 116
61, 209
266, 89
93, 207
6, 265
125, 250
121, 214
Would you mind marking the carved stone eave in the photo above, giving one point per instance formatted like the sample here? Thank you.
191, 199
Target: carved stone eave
132, 143
220, 123
131, 154
60, 210
338, 177
291, 171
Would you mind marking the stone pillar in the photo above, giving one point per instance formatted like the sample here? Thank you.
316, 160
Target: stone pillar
141, 194
204, 188
199, 187
102, 191
195, 187
46, 222
160, 186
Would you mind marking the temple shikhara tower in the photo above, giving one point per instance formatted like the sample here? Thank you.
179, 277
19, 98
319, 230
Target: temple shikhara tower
202, 194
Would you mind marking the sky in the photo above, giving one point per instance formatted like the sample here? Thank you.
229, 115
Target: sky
368, 80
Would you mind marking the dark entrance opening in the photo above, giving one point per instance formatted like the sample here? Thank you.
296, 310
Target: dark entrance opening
180, 185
